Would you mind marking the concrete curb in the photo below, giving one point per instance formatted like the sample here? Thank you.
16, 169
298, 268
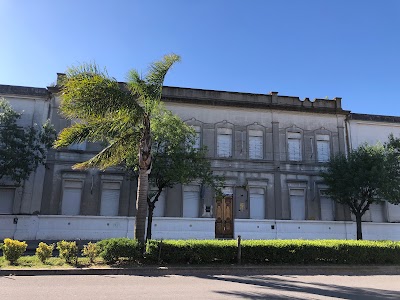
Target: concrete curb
212, 270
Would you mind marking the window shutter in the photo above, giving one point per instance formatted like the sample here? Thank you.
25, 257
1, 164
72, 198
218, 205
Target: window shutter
224, 142
327, 209
257, 204
377, 210
393, 212
256, 144
159, 206
110, 199
71, 199
294, 149
197, 141
6, 200
323, 148
191, 202
297, 204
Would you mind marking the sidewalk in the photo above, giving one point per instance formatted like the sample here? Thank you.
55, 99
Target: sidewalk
213, 270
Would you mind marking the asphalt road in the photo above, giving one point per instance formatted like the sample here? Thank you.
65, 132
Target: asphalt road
200, 287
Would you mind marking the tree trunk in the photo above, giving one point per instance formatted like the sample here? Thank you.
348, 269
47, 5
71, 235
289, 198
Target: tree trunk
151, 207
358, 223
141, 206
143, 182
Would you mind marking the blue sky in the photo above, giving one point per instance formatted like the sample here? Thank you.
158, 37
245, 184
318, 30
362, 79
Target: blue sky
315, 49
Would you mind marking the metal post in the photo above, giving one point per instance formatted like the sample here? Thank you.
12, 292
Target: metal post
239, 250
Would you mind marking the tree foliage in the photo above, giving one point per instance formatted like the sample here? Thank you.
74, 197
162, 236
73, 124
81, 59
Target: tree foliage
118, 115
368, 174
22, 149
176, 160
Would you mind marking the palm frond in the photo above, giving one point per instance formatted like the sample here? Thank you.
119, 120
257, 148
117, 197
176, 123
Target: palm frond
115, 125
76, 133
88, 92
112, 155
157, 70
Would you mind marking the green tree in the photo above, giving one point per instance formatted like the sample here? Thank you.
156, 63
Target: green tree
368, 174
176, 160
118, 115
22, 149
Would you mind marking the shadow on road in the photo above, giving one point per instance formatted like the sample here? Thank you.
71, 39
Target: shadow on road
308, 289
270, 286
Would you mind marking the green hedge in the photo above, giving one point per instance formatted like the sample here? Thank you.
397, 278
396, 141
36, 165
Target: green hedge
252, 251
193, 251
111, 250
275, 252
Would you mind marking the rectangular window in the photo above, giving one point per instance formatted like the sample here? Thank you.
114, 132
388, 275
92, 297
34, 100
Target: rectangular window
323, 148
6, 200
377, 212
393, 212
294, 146
197, 141
110, 199
224, 142
256, 144
257, 203
159, 208
297, 204
327, 208
71, 198
191, 201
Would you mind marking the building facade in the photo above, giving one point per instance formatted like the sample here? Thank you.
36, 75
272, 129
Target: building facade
34, 103
269, 148
373, 129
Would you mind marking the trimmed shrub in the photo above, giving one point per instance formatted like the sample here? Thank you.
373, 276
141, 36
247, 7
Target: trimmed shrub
111, 250
44, 251
13, 249
68, 251
193, 251
320, 251
275, 252
91, 251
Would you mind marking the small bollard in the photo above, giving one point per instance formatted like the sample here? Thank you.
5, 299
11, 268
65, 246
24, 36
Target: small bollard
239, 251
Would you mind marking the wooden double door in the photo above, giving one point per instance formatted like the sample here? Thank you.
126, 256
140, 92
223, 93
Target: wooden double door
224, 218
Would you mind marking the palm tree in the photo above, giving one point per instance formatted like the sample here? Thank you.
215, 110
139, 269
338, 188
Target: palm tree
118, 115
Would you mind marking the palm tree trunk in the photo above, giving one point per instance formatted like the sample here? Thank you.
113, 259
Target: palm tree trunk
141, 206
143, 182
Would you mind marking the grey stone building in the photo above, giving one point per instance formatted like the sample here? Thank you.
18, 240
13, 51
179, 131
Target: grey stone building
269, 148
34, 103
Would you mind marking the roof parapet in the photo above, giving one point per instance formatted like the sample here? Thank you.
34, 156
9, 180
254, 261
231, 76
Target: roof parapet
272, 99
23, 91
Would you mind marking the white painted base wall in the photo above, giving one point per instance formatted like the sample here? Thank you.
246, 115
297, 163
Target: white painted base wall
55, 227
313, 230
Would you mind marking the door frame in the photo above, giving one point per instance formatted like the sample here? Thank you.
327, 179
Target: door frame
224, 235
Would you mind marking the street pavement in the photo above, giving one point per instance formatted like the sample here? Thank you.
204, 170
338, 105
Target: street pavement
200, 286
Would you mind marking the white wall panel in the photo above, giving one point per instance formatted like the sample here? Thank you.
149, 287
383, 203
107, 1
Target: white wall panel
56, 227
